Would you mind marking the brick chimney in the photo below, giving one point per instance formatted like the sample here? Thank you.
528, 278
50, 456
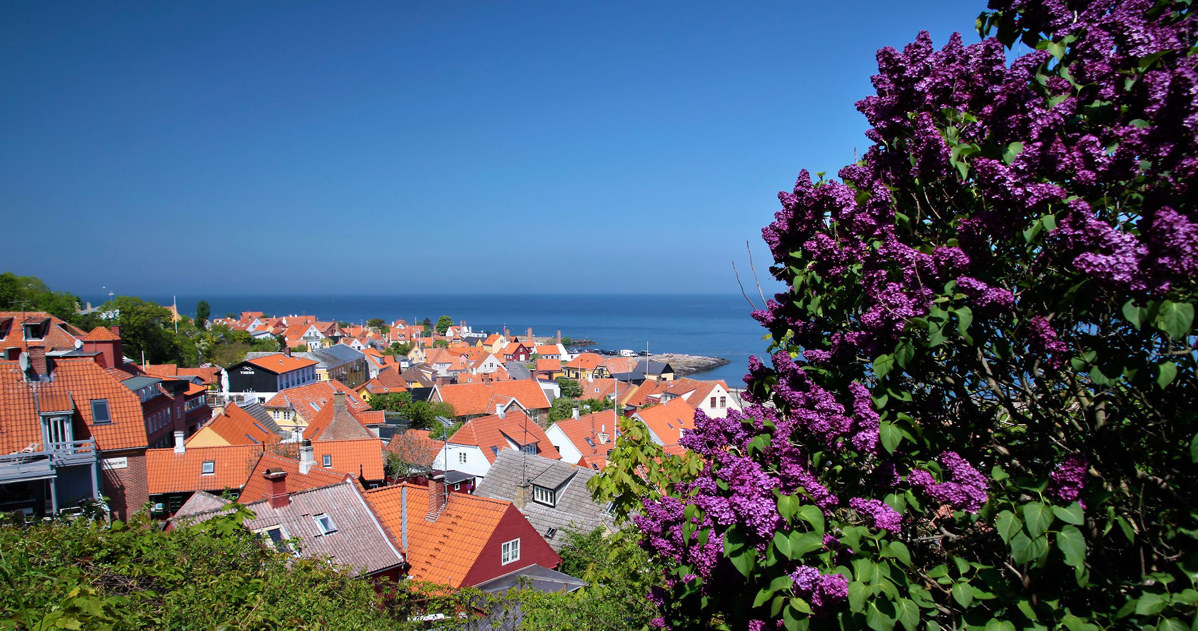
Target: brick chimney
37, 361
277, 478
338, 403
437, 497
530, 340
559, 336
286, 349
523, 494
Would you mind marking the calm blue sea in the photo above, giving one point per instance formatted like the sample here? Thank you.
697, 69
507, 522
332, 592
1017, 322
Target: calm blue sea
716, 325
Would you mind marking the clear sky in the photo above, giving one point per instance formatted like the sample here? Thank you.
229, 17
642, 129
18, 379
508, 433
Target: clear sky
423, 147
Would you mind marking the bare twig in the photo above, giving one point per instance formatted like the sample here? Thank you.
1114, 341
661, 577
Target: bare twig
756, 281
742, 286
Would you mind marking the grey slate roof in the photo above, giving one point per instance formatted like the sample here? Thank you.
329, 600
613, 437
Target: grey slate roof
255, 409
575, 509
359, 541
134, 383
535, 577
333, 356
517, 370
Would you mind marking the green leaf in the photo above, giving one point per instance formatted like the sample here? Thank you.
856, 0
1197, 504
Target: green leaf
1071, 514
1026, 608
882, 365
1038, 518
1012, 151
877, 620
1073, 545
788, 506
963, 594
908, 613
890, 435
1167, 373
1175, 318
814, 516
1171, 624
1134, 314
1008, 525
1194, 449
1022, 549
782, 542
857, 593
964, 319
762, 596
792, 616
742, 555
897, 550
803, 542
1150, 604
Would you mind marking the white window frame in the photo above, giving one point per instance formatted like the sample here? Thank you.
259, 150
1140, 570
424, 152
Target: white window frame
324, 524
283, 545
544, 495
326, 461
509, 552
208, 467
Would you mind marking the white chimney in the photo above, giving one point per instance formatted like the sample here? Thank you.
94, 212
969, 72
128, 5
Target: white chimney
179, 446
307, 458
574, 412
499, 410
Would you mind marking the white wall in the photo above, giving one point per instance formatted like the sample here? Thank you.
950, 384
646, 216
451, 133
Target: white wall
564, 446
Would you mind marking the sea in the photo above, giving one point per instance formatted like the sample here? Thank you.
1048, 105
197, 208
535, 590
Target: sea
713, 325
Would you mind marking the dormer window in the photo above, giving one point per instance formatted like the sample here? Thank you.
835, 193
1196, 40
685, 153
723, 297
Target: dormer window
530, 448
100, 414
542, 495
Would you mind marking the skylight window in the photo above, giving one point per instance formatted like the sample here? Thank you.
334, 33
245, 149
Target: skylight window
100, 414
208, 467
325, 524
326, 460
277, 537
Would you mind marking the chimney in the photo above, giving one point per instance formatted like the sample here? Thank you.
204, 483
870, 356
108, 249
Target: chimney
279, 498
436, 498
559, 336
523, 494
338, 403
574, 412
37, 361
499, 410
530, 340
286, 349
403, 517
179, 446
307, 457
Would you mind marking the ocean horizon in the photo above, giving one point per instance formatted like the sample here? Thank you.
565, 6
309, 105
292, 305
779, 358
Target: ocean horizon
698, 324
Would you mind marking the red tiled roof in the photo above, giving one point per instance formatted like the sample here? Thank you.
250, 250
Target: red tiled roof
549, 365
357, 457
170, 472
301, 398
280, 363
237, 427
101, 334
481, 398
590, 426
257, 488
669, 419
442, 551
58, 335
328, 425
415, 446
585, 361
87, 381
492, 433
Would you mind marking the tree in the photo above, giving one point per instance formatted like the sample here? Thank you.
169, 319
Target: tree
981, 405
398, 348
428, 326
30, 293
202, 313
569, 387
377, 324
145, 327
391, 402
561, 408
443, 324
424, 414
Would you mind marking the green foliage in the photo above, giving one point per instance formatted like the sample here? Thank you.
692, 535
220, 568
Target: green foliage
443, 324
569, 387
145, 327
443, 432
567, 342
424, 414
377, 324
398, 348
29, 293
392, 402
203, 311
85, 575
561, 408
643, 471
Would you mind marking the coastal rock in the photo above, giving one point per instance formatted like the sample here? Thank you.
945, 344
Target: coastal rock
689, 364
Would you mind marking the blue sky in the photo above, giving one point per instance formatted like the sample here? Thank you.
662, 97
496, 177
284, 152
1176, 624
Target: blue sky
423, 147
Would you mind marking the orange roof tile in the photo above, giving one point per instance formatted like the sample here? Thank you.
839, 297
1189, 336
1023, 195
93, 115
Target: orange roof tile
442, 551
357, 457
257, 488
549, 365
281, 363
101, 334
171, 472
493, 433
309, 399
599, 427
237, 427
481, 398
668, 420
585, 361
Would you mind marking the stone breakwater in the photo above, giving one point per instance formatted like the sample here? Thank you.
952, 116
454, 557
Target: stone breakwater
689, 364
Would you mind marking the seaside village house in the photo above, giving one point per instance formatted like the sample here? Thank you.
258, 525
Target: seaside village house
585, 440
477, 443
339, 362
262, 377
76, 422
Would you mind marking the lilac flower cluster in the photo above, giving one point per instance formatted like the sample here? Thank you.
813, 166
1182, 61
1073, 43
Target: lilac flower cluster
966, 491
823, 591
884, 517
1069, 478
1043, 341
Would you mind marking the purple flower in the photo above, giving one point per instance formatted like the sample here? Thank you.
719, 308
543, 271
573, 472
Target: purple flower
823, 591
1069, 478
966, 491
884, 517
1042, 339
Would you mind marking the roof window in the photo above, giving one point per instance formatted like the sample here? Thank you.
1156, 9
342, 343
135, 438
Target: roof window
325, 524
208, 468
326, 460
100, 415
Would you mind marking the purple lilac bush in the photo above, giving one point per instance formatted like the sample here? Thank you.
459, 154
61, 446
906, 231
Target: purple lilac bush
980, 406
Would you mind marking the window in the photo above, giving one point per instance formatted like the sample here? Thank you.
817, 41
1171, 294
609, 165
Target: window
542, 495
550, 533
723, 402
100, 411
510, 552
277, 538
326, 460
712, 401
462, 457
530, 448
208, 468
325, 524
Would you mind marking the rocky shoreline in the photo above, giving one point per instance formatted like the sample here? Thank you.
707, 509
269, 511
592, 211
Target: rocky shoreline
689, 364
